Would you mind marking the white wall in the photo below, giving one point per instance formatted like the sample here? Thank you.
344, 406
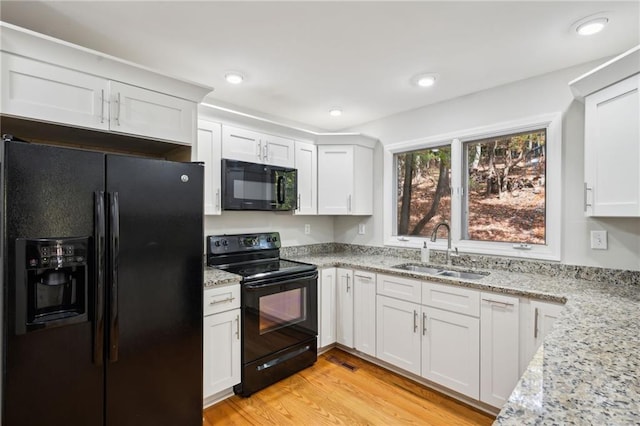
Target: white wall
539, 95
291, 227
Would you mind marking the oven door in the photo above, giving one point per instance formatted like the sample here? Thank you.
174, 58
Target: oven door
251, 186
278, 313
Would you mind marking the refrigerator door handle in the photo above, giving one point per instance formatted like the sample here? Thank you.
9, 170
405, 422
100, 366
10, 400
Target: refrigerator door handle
114, 327
98, 322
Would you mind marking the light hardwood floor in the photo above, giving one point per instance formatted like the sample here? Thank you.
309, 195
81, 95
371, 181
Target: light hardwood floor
330, 394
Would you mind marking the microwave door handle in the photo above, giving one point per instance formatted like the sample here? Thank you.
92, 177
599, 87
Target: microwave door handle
281, 189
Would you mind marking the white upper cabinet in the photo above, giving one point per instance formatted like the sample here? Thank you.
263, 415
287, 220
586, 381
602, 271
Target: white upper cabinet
278, 151
47, 92
50, 80
306, 156
241, 144
208, 149
247, 145
144, 112
345, 180
612, 150
612, 136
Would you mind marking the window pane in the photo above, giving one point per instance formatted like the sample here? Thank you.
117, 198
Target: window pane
423, 189
506, 189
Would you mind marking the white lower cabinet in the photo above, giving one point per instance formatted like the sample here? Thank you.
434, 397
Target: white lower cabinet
450, 349
327, 307
398, 338
364, 312
499, 347
537, 319
221, 340
344, 307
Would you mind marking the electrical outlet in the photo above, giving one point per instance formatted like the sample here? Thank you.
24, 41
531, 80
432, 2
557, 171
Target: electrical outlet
599, 240
307, 229
361, 229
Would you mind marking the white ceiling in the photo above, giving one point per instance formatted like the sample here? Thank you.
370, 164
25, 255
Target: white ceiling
302, 58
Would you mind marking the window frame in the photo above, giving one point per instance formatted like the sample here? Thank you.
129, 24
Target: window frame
550, 251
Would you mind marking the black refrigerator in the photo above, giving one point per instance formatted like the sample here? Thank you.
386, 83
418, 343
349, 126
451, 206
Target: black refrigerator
101, 287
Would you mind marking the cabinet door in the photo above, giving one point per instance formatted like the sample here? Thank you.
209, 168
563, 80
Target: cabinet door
499, 356
364, 312
398, 333
46, 92
307, 165
335, 179
612, 150
221, 369
344, 302
543, 315
147, 113
451, 350
327, 309
241, 144
400, 288
208, 149
278, 151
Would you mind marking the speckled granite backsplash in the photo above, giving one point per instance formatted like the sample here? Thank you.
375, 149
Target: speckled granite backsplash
589, 273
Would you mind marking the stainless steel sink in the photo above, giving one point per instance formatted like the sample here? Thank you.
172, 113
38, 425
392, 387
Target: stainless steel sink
441, 272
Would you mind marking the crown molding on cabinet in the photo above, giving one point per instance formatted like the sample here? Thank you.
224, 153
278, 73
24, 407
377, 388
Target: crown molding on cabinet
611, 72
22, 42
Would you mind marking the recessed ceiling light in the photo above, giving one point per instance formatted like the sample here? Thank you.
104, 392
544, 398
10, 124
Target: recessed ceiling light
590, 25
234, 77
335, 112
425, 80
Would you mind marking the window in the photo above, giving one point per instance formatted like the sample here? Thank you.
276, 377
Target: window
424, 190
504, 198
498, 187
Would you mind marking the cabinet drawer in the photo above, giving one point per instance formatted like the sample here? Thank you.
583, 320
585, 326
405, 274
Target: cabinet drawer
451, 298
399, 288
221, 299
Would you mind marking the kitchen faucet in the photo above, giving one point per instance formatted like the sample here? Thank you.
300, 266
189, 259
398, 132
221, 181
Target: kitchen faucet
434, 235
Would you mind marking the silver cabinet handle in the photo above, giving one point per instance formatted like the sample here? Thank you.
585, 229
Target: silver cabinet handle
228, 299
424, 324
348, 286
535, 324
365, 277
118, 109
415, 321
299, 202
218, 199
259, 149
102, 106
238, 327
586, 188
495, 302
349, 203
265, 152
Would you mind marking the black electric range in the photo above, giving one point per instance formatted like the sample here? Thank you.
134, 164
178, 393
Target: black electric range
279, 302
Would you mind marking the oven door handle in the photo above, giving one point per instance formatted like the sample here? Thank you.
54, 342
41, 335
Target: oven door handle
273, 282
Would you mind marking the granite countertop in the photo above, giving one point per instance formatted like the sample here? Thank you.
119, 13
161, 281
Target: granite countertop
587, 371
217, 278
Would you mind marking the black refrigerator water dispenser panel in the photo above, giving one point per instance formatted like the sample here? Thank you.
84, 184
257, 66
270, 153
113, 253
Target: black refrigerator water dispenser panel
52, 275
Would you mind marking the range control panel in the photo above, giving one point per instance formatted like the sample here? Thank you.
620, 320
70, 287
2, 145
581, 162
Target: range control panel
241, 243
55, 252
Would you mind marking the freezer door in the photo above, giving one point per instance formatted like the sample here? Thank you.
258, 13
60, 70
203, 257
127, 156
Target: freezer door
154, 356
51, 375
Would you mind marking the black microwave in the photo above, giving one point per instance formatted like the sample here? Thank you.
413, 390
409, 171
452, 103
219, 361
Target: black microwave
251, 186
